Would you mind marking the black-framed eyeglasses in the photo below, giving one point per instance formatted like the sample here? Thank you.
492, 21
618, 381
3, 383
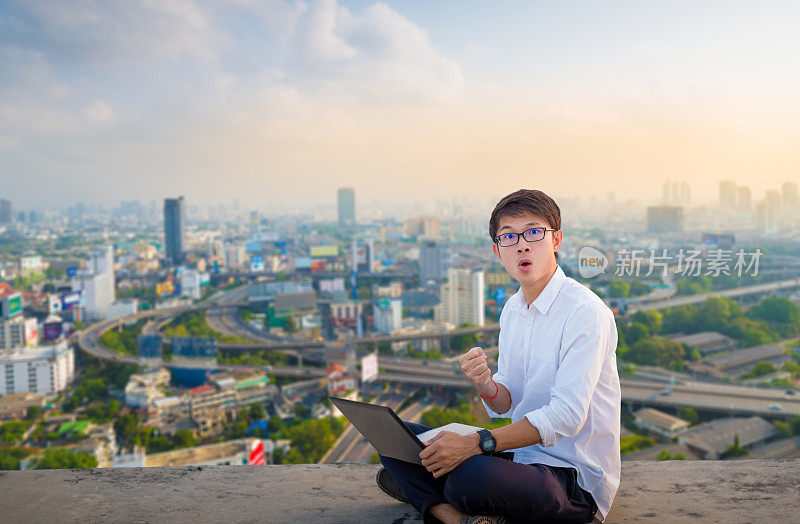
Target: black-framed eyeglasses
533, 234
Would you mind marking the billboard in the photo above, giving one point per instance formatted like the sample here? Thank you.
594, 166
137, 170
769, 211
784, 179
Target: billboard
369, 367
302, 263
318, 265
14, 305
194, 347
31, 328
165, 288
53, 330
257, 263
324, 251
69, 300
149, 346
72, 271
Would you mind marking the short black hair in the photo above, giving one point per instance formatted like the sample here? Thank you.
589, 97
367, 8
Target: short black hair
526, 201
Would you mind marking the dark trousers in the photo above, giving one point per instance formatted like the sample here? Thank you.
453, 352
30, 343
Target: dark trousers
487, 485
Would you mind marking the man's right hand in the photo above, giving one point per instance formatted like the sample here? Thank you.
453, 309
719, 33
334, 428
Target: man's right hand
473, 364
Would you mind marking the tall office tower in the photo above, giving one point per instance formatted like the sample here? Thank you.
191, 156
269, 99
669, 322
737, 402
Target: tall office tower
174, 229
388, 315
461, 298
773, 199
665, 193
96, 283
433, 262
664, 219
6, 212
423, 227
743, 200
766, 217
685, 196
364, 255
346, 199
727, 193
789, 195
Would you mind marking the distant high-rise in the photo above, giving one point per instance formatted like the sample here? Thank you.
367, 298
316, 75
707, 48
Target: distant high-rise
664, 219
432, 262
96, 283
766, 212
174, 229
675, 194
727, 193
789, 195
462, 300
744, 197
6, 212
346, 199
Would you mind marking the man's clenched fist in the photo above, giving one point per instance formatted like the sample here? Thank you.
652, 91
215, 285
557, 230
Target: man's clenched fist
473, 364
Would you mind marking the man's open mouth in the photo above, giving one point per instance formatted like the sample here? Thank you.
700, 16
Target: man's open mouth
525, 265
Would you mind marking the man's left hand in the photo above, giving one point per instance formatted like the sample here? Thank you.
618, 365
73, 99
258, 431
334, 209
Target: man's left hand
445, 451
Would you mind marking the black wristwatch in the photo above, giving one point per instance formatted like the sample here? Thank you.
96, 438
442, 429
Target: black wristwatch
487, 443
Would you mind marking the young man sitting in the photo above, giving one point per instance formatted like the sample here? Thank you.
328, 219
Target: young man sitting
557, 381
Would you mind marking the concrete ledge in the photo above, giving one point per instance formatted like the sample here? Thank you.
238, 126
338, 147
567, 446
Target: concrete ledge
675, 491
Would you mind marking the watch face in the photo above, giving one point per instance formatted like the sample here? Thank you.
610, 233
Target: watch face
488, 444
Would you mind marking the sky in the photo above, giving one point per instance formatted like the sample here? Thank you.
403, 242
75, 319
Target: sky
281, 101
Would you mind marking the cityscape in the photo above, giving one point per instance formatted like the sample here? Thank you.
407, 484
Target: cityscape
218, 217
174, 334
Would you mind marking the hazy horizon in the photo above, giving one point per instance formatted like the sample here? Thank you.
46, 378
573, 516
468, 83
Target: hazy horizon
406, 102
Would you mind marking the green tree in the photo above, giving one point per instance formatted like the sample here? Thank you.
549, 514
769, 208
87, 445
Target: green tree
11, 457
657, 351
776, 309
12, 431
184, 438
735, 450
666, 455
60, 458
791, 367
256, 412
759, 370
619, 289
633, 443
688, 413
637, 332
275, 424
652, 318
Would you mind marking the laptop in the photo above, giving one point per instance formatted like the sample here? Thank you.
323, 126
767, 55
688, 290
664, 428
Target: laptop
387, 433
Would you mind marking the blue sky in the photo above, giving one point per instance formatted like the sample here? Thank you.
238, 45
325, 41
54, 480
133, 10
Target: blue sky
279, 100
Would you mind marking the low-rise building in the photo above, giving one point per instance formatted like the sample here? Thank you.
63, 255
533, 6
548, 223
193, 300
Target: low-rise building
43, 370
706, 342
659, 422
710, 440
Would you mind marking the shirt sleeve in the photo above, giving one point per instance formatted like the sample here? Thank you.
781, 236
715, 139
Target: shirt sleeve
589, 334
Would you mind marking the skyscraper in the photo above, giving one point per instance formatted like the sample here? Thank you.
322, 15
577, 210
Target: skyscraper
461, 298
727, 193
744, 197
433, 260
174, 229
346, 198
789, 194
96, 283
6, 212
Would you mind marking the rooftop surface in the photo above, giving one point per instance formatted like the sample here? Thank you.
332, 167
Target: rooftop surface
761, 491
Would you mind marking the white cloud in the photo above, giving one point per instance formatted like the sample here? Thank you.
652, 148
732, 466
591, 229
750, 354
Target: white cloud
100, 112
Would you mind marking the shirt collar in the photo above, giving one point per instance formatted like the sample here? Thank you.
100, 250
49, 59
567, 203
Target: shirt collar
548, 294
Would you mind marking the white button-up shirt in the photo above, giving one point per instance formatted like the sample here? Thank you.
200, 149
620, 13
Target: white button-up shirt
557, 359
